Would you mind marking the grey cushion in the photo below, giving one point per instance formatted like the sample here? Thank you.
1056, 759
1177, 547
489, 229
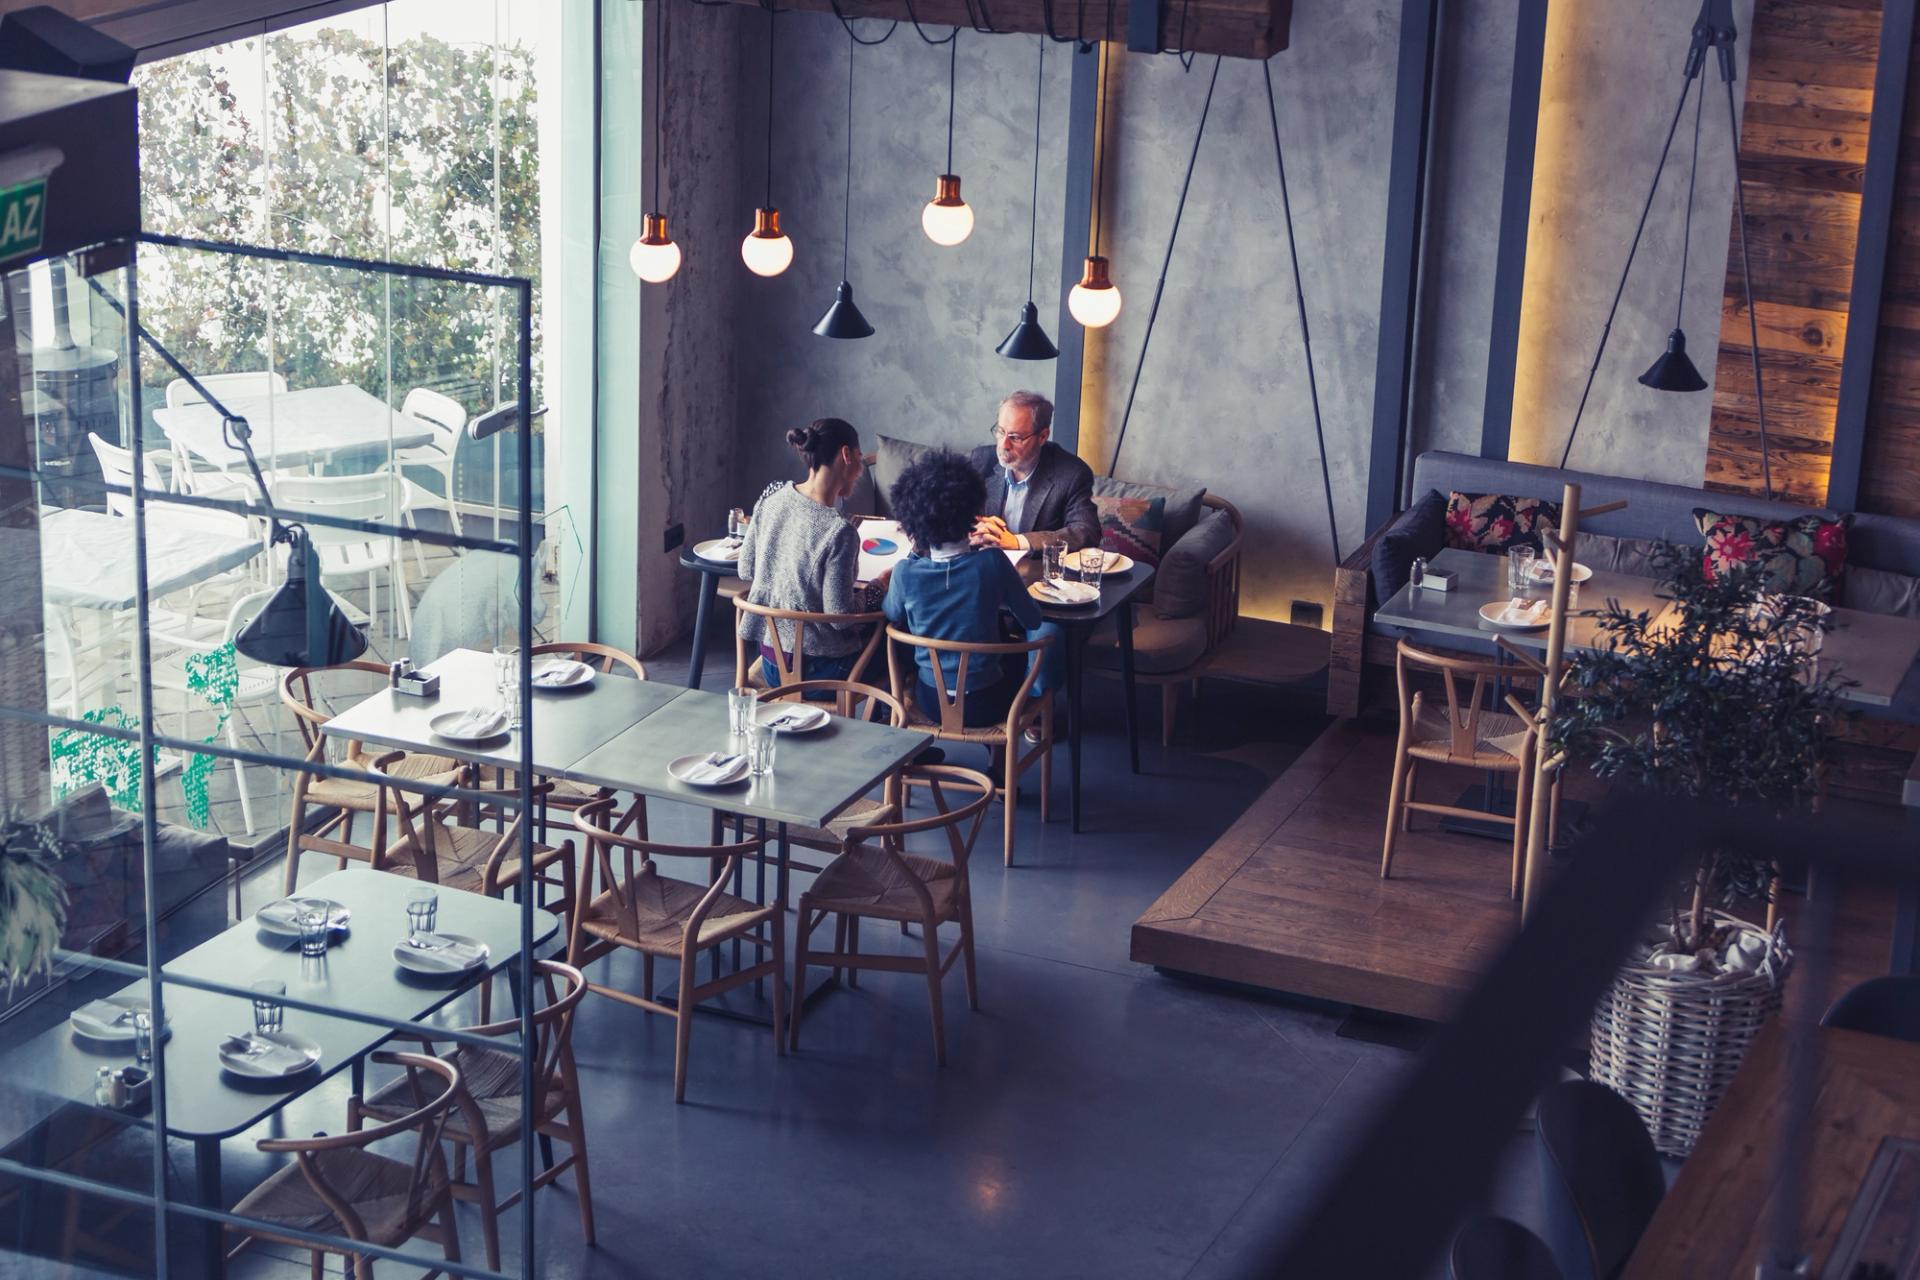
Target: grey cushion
1880, 591
1183, 505
890, 459
1420, 531
1161, 646
1180, 587
1607, 554
1884, 542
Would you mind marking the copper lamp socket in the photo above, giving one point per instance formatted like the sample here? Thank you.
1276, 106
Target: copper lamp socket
653, 229
1094, 274
946, 191
766, 224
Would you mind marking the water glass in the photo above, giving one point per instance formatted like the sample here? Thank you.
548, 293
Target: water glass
1520, 567
760, 740
740, 705
314, 923
506, 679
1054, 557
269, 1015
423, 912
736, 524
1092, 561
143, 1036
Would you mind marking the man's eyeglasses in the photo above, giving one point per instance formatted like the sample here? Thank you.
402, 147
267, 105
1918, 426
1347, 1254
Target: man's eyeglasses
1017, 437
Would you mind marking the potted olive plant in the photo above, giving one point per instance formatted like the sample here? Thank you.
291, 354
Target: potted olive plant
33, 901
1721, 698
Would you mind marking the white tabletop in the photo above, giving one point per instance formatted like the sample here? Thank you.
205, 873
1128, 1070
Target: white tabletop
291, 428
86, 558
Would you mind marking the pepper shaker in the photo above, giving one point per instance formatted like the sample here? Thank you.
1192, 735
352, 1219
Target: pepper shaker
1417, 572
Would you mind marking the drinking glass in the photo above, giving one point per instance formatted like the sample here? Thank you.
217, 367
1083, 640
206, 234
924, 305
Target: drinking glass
143, 1036
314, 923
760, 740
1092, 561
1520, 567
740, 705
1055, 560
506, 679
736, 524
269, 1015
423, 912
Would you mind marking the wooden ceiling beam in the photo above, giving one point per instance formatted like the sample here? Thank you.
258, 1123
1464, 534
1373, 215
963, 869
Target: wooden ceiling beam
1234, 28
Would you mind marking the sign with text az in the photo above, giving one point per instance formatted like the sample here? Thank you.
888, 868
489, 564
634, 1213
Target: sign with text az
23, 218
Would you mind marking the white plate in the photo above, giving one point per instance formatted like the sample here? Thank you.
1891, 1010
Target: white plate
682, 770
1064, 593
451, 726
1543, 571
726, 550
291, 1055
277, 917
93, 1022
1494, 613
815, 718
1114, 563
561, 673
408, 956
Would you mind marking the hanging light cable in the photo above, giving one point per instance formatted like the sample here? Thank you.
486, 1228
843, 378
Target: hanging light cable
1095, 301
767, 251
1674, 369
843, 318
654, 256
1027, 340
946, 219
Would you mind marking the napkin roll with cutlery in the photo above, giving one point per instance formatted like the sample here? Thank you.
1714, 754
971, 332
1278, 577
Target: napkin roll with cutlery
448, 953
1524, 611
556, 673
105, 1017
475, 723
713, 768
264, 1054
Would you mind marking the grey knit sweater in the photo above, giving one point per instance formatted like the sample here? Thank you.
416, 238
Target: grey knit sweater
800, 555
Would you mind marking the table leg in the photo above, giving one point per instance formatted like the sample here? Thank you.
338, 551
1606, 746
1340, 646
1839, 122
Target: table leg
1123, 622
782, 871
1076, 640
206, 1176
697, 661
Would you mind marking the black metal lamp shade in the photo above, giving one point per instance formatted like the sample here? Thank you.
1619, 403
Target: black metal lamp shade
843, 318
1674, 371
1028, 341
301, 626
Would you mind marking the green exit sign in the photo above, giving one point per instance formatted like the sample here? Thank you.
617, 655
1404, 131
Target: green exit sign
23, 218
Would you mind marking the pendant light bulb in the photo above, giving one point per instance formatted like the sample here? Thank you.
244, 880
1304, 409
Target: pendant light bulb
655, 258
1095, 301
767, 251
947, 219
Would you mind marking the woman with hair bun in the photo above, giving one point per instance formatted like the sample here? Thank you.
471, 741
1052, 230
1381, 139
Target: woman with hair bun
800, 553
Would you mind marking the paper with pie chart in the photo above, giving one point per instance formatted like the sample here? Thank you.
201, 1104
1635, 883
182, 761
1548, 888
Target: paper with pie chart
883, 545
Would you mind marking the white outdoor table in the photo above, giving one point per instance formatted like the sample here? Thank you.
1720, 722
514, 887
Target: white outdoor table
294, 428
86, 558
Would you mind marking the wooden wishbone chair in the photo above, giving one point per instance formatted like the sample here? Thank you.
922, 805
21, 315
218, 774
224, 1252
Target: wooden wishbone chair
641, 910
336, 1186
568, 795
435, 847
491, 1078
876, 878
852, 701
1004, 741
789, 657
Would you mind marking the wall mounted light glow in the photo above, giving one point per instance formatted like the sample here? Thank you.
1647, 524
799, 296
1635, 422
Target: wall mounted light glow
1027, 340
1095, 301
946, 219
655, 258
843, 318
766, 250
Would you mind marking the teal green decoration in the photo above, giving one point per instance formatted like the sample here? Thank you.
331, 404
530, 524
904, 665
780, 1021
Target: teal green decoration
78, 757
214, 678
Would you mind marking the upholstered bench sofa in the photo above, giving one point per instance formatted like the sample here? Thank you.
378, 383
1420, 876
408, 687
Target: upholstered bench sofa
1881, 575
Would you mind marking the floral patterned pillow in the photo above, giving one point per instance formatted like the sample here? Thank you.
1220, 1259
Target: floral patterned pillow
1803, 556
1496, 521
1132, 526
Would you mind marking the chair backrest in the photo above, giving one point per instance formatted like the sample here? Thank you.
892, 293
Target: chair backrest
1463, 713
1886, 1006
442, 412
377, 496
602, 656
1600, 1175
789, 660
1490, 1248
1223, 576
562, 986
116, 468
851, 699
953, 701
296, 694
427, 1182
623, 890
961, 824
222, 385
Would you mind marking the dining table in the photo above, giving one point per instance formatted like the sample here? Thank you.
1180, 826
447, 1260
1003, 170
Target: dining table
294, 428
205, 1103
86, 558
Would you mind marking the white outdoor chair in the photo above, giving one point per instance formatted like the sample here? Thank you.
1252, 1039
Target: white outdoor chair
257, 682
378, 496
116, 467
447, 420
212, 482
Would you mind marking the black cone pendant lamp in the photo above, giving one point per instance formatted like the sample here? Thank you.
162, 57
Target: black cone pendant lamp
1029, 341
843, 318
1674, 370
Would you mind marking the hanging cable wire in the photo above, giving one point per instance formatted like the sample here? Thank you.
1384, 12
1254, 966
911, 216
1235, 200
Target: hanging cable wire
846, 213
1100, 147
848, 24
1033, 228
772, 14
1746, 280
922, 31
1300, 304
1165, 262
1686, 234
659, 74
953, 80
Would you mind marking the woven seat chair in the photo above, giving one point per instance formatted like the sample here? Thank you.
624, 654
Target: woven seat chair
346, 797
789, 655
336, 1186
638, 909
1004, 740
1464, 733
568, 795
435, 847
491, 1078
875, 877
855, 702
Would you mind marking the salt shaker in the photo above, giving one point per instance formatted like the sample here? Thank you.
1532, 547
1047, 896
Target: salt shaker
1417, 572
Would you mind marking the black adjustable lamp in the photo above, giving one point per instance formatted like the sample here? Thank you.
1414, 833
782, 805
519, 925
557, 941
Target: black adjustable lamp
1027, 340
843, 318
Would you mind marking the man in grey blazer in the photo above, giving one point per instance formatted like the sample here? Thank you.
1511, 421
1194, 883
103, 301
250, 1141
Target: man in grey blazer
1037, 492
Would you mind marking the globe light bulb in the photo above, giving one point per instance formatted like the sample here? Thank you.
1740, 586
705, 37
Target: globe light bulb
766, 250
1094, 302
947, 219
654, 256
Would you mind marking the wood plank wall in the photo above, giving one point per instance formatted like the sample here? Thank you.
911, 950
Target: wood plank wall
1890, 469
1803, 150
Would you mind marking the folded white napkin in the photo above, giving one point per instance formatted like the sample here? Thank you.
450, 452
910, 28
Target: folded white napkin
104, 1018
794, 718
713, 768
476, 722
1519, 610
447, 953
287, 911
263, 1054
558, 672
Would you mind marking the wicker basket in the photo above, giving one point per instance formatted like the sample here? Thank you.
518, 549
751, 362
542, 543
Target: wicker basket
1670, 1042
